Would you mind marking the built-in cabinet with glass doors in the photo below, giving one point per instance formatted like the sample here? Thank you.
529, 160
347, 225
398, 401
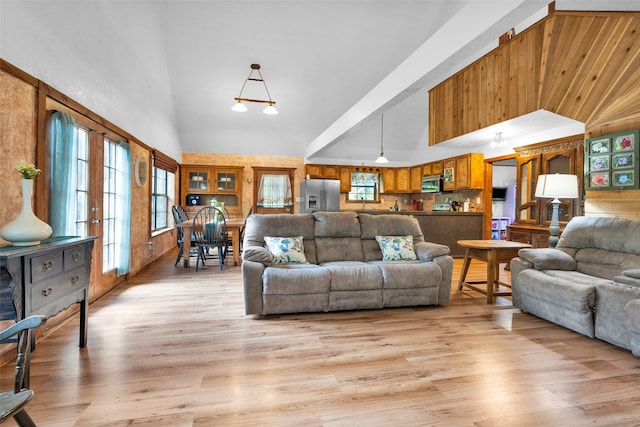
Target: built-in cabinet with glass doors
202, 184
533, 215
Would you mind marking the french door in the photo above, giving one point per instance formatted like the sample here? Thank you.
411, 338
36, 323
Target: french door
97, 194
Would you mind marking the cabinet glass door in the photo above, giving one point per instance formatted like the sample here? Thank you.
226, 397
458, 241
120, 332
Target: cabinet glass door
527, 205
226, 181
199, 181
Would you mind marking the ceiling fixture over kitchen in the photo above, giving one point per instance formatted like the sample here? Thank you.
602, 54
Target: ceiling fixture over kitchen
382, 158
498, 141
239, 105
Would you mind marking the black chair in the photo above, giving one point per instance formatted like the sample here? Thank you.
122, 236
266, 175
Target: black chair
210, 231
12, 403
180, 215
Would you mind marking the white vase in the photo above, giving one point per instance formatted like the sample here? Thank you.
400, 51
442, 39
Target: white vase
27, 229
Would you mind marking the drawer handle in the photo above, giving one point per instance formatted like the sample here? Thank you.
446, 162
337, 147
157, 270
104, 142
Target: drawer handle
75, 256
47, 265
75, 280
47, 292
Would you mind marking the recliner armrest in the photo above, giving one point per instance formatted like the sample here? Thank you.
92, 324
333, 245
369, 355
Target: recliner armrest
427, 251
548, 259
627, 280
257, 254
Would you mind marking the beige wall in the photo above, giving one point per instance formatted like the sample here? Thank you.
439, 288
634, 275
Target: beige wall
17, 141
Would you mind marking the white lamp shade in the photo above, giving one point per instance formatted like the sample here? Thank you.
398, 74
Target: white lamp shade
239, 107
382, 159
270, 110
557, 185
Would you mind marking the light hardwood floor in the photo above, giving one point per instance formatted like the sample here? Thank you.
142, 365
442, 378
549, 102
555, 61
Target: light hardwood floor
173, 348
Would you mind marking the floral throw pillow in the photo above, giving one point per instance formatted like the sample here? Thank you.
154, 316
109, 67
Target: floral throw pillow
396, 248
286, 250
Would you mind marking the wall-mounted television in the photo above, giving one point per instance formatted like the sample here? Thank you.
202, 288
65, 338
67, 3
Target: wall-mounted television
498, 193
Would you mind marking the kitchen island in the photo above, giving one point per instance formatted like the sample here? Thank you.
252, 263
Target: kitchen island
445, 228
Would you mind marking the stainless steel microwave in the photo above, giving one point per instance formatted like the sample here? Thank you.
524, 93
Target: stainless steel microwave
432, 184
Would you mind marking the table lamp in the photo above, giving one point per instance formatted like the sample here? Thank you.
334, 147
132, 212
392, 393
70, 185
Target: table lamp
556, 186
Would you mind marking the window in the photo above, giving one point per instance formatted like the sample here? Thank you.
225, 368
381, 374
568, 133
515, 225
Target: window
275, 191
82, 189
365, 187
160, 199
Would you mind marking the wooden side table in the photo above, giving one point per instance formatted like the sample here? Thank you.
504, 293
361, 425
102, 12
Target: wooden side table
493, 252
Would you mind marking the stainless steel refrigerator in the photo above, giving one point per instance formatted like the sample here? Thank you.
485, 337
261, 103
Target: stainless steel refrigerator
319, 195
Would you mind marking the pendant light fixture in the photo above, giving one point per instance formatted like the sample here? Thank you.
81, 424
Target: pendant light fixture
239, 105
498, 141
382, 158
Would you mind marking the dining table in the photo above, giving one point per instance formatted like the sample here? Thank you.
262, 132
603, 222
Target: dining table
234, 225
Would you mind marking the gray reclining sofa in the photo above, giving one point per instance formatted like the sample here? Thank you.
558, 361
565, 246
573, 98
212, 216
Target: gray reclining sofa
589, 283
344, 267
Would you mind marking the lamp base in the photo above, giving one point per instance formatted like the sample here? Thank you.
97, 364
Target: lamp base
554, 227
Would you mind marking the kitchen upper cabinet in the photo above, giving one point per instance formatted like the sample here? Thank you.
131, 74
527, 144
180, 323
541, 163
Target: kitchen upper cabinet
345, 179
426, 169
437, 167
465, 172
403, 183
389, 180
416, 179
330, 172
322, 171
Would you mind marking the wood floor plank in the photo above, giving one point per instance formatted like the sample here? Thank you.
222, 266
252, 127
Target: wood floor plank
173, 348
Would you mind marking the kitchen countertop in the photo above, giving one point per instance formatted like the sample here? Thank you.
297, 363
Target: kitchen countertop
384, 211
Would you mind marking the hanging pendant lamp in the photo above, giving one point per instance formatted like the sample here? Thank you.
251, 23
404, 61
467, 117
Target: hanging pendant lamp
382, 158
240, 101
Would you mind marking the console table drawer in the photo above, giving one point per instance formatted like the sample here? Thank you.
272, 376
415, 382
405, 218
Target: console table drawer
45, 266
49, 291
74, 257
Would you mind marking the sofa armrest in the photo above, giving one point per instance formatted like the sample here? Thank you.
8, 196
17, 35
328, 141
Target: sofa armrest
628, 279
427, 251
257, 254
548, 259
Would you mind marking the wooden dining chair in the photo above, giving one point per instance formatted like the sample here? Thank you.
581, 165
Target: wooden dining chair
210, 232
12, 403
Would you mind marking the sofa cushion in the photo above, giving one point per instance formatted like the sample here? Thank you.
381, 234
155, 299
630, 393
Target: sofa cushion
612, 234
635, 273
577, 277
609, 316
548, 259
558, 300
409, 274
260, 225
352, 276
396, 248
295, 279
605, 263
286, 250
337, 237
386, 225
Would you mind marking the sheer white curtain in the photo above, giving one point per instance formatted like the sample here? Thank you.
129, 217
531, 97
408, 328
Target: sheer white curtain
275, 191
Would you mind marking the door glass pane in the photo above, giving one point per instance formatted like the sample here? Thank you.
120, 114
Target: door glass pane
82, 189
109, 206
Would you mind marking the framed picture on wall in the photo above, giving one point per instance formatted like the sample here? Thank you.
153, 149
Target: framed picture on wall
622, 160
599, 146
611, 161
624, 178
625, 141
599, 180
598, 163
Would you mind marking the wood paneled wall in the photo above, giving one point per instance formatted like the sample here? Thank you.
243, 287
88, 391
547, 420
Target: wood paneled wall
585, 66
581, 65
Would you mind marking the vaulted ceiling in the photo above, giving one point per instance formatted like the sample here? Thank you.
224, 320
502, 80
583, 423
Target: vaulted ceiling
333, 68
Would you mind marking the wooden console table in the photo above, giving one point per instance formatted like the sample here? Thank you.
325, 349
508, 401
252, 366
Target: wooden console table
46, 279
